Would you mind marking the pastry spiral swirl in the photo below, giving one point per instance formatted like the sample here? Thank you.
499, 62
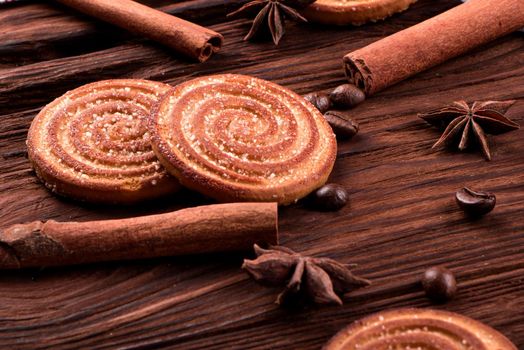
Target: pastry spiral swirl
356, 12
239, 138
92, 143
422, 329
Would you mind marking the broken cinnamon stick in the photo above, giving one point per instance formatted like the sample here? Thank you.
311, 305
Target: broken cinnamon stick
452, 33
185, 37
204, 229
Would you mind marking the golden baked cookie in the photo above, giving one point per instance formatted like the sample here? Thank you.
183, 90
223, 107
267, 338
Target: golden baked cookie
356, 12
238, 138
422, 329
92, 143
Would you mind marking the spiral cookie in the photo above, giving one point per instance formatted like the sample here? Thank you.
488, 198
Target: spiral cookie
239, 138
356, 12
421, 329
92, 143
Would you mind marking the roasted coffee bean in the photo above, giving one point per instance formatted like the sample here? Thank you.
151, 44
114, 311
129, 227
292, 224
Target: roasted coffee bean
439, 284
330, 197
342, 126
319, 100
346, 96
475, 203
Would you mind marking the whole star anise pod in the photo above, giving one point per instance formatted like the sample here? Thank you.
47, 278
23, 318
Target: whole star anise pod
321, 280
465, 122
275, 11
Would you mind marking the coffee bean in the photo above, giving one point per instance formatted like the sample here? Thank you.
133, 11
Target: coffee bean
342, 126
475, 203
330, 197
346, 96
319, 100
439, 284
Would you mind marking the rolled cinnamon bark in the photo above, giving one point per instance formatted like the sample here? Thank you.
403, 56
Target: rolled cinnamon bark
204, 229
185, 37
452, 33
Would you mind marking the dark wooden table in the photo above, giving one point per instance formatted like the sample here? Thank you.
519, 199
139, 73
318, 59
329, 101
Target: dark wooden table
402, 218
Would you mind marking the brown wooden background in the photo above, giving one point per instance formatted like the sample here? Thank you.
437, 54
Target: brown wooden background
402, 216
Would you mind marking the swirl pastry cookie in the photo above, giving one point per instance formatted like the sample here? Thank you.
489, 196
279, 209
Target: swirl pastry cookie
239, 138
356, 12
92, 143
422, 329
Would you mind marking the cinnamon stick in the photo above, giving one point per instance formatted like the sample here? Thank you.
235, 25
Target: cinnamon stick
185, 37
204, 229
431, 42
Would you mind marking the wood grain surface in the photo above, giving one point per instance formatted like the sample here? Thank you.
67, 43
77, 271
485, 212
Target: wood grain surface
401, 220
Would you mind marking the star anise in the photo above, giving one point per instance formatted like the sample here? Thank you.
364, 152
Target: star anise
465, 122
275, 11
321, 280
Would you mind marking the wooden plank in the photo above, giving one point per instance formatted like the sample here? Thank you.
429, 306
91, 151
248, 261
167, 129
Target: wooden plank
402, 217
38, 31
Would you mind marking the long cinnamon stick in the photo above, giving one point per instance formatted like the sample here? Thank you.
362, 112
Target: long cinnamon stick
185, 37
211, 228
431, 42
